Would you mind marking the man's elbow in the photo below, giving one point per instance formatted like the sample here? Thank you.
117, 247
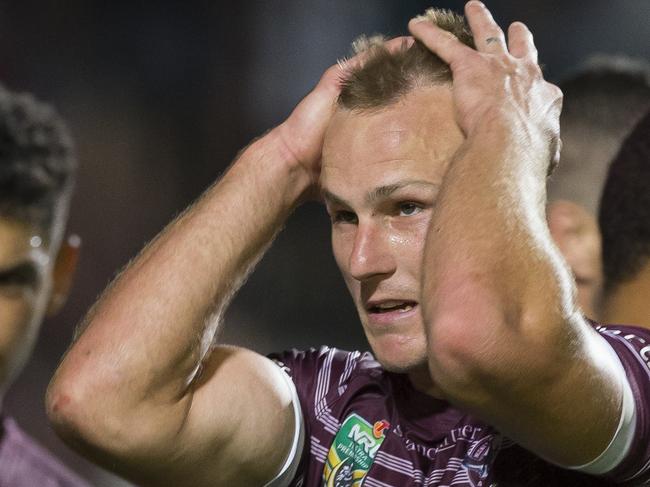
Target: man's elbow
479, 351
456, 350
68, 407
85, 415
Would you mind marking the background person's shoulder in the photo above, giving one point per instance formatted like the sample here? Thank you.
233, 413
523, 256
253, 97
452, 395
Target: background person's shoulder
25, 463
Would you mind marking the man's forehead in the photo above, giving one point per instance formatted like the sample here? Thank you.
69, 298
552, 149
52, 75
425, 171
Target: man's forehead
419, 119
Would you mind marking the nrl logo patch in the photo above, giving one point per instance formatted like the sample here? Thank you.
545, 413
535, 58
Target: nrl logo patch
353, 451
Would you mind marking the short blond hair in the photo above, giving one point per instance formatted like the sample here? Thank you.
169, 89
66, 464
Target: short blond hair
386, 76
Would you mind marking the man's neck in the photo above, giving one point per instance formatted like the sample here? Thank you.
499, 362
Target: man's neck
629, 303
420, 378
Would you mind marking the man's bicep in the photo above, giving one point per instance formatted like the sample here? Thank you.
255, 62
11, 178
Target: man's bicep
585, 418
586, 405
241, 425
558, 398
619, 445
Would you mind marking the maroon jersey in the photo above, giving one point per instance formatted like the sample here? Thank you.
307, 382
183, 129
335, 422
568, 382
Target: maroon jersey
23, 463
366, 426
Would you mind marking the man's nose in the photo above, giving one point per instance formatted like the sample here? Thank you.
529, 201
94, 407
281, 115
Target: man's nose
371, 254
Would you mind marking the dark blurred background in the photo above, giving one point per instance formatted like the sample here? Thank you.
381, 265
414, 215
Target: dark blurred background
161, 96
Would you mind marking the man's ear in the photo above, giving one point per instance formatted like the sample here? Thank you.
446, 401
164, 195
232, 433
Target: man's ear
63, 273
576, 233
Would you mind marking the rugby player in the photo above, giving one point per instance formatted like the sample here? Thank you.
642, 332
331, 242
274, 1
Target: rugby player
483, 369
603, 100
624, 221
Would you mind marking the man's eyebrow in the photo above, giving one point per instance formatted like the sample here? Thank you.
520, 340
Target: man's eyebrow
380, 192
331, 198
383, 192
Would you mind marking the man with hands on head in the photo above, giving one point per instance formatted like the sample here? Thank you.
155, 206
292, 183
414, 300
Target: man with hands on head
483, 370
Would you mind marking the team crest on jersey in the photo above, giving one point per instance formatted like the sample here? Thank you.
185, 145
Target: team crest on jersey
353, 451
481, 455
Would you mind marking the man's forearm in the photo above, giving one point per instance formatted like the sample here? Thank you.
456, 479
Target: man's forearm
488, 251
149, 332
503, 328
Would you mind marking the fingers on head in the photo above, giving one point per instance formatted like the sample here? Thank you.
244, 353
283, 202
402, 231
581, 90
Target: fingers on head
392, 45
520, 42
558, 98
397, 43
334, 76
439, 41
556, 108
555, 152
488, 36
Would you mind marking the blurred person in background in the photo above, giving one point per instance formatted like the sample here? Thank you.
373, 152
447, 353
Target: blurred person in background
624, 221
603, 100
37, 168
436, 192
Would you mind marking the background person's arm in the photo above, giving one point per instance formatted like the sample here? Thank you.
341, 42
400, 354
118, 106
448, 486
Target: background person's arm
506, 339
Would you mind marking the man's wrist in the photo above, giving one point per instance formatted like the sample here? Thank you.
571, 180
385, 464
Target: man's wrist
512, 141
271, 153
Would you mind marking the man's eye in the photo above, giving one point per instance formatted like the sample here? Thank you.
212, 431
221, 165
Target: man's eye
409, 209
22, 276
344, 217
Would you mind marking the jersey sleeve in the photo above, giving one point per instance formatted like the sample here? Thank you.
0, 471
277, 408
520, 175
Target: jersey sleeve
291, 464
301, 366
317, 374
632, 346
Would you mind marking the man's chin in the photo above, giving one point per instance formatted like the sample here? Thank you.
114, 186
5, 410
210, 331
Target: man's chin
399, 367
397, 356
402, 365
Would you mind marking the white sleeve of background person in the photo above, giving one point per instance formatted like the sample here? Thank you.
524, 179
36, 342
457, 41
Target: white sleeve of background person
619, 446
290, 466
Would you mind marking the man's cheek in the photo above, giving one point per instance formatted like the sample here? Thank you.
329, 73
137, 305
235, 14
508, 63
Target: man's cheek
341, 255
15, 319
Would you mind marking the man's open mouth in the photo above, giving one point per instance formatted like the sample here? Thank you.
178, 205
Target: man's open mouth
390, 306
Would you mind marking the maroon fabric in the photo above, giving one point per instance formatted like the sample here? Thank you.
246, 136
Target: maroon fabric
429, 442
24, 463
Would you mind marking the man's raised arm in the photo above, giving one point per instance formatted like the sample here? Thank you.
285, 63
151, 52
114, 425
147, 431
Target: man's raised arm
506, 340
143, 390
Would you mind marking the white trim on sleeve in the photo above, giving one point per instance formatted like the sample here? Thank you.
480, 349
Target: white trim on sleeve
288, 470
619, 447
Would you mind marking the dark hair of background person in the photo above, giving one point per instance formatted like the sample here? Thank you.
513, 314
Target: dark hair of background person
386, 76
37, 163
603, 100
624, 216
